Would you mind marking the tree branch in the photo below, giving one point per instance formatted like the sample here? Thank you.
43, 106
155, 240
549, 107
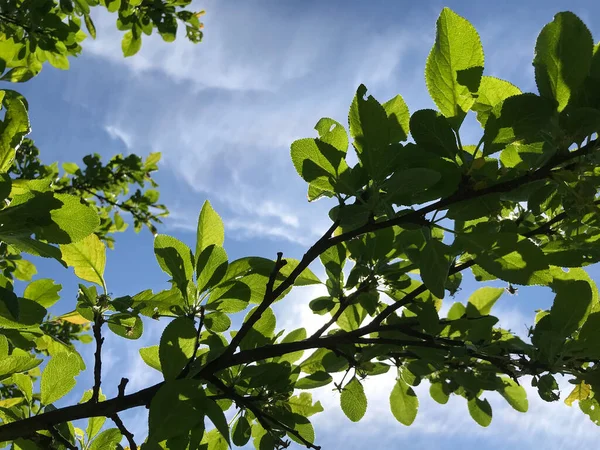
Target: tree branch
97, 330
107, 408
124, 431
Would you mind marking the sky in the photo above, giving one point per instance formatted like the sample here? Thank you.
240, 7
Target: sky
224, 113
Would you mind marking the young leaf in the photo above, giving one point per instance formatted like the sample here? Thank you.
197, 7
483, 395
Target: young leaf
482, 300
404, 403
107, 440
210, 229
563, 56
434, 266
454, 66
432, 132
131, 43
150, 357
481, 411
353, 400
58, 377
581, 391
176, 346
515, 395
492, 91
43, 291
12, 129
211, 266
175, 258
398, 118
88, 259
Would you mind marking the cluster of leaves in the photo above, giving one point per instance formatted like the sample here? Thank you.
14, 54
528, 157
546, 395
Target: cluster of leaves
35, 31
520, 206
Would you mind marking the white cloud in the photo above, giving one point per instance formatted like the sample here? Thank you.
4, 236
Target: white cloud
118, 134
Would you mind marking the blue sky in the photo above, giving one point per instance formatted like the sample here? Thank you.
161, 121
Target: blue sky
224, 114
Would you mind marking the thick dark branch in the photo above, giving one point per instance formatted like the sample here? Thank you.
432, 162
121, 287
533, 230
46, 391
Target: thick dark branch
124, 431
97, 330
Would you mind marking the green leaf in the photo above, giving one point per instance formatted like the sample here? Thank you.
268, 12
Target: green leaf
318, 162
24, 270
482, 300
580, 392
217, 322
432, 132
571, 305
481, 411
398, 118
563, 57
176, 346
369, 127
57, 59
175, 258
88, 259
514, 394
314, 380
19, 75
24, 383
126, 325
332, 133
353, 400
438, 393
89, 24
43, 291
214, 412
402, 187
261, 332
241, 432
175, 409
107, 440
434, 265
454, 66
58, 377
404, 403
293, 336
12, 129
94, 426
524, 118
507, 256
492, 91
14, 364
211, 267
150, 357
210, 229
131, 43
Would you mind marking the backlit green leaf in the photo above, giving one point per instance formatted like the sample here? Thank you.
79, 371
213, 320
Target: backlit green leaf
176, 346
454, 66
404, 403
87, 257
434, 265
563, 56
58, 377
353, 400
210, 229
481, 411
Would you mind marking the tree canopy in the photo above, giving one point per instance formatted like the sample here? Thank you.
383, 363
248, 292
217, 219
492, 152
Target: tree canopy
415, 211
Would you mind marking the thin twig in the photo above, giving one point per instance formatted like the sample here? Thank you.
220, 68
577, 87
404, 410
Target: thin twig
122, 386
268, 299
344, 303
187, 367
124, 431
258, 413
